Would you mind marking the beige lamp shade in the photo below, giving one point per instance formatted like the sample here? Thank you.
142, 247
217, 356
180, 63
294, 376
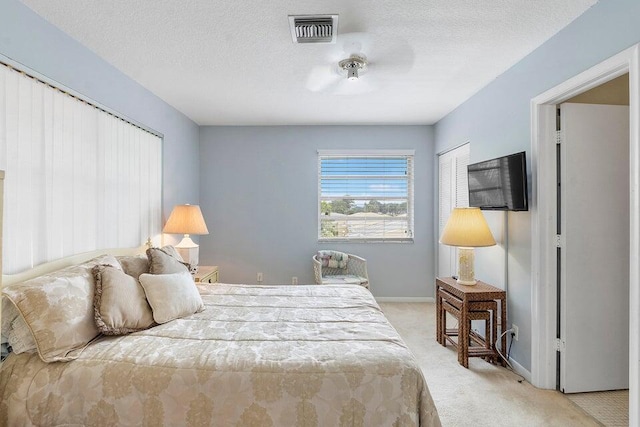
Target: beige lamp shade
186, 219
467, 227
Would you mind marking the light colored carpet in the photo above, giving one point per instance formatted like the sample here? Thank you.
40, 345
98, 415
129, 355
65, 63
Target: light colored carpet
611, 408
484, 394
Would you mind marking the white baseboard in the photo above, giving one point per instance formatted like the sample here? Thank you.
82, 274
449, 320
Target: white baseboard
405, 299
520, 370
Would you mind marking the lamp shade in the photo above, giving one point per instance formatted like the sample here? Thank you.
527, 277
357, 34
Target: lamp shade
467, 227
186, 219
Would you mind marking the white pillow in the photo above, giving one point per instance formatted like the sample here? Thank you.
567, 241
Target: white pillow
171, 296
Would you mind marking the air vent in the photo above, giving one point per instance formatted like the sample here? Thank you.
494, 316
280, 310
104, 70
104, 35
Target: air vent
313, 28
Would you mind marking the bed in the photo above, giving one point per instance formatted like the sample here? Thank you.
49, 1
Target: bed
255, 356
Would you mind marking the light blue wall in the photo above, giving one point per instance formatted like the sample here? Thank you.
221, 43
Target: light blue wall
497, 122
30, 40
259, 189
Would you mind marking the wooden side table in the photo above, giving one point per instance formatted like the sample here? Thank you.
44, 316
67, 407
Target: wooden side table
467, 302
207, 274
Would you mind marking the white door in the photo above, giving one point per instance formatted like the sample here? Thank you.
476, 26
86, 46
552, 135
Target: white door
453, 191
594, 263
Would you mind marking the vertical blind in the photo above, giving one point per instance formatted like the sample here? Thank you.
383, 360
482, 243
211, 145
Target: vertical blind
77, 178
365, 195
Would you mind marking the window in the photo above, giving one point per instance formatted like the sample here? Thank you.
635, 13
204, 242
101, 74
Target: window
365, 195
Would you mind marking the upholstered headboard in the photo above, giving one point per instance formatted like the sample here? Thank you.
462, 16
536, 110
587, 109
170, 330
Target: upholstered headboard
49, 267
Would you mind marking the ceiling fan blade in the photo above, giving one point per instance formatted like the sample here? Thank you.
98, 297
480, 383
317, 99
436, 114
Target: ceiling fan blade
322, 78
396, 55
388, 51
357, 87
355, 44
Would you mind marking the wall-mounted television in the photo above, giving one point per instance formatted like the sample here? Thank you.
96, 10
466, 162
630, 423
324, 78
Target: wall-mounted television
499, 184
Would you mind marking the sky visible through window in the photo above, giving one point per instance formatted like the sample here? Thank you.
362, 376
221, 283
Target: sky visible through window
365, 197
365, 177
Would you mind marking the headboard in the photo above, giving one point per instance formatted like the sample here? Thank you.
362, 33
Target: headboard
49, 267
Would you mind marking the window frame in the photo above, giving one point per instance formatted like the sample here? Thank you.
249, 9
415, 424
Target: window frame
390, 153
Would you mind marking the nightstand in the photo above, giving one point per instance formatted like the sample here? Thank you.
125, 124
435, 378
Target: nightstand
207, 274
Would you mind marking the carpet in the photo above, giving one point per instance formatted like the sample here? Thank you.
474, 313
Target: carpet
484, 394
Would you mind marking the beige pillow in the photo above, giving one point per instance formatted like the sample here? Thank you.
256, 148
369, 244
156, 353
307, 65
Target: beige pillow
172, 251
15, 329
58, 308
134, 265
120, 306
162, 262
171, 296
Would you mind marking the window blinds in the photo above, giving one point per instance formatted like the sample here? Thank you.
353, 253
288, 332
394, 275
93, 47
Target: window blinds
366, 195
77, 178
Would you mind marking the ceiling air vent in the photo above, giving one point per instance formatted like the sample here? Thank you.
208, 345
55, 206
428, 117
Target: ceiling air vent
313, 28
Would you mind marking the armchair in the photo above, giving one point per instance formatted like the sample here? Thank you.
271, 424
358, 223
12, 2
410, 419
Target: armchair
355, 271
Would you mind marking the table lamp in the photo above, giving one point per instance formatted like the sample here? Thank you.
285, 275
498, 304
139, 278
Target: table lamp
186, 219
467, 229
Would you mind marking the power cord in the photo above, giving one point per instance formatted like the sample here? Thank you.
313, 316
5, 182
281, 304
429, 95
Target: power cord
506, 359
510, 345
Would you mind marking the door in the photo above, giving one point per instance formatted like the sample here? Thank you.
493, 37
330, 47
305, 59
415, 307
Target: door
453, 191
594, 260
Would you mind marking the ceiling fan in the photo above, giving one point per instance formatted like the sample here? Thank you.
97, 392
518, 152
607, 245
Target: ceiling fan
360, 63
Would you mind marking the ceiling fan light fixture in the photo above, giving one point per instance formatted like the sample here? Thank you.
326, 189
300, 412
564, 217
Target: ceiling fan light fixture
352, 74
353, 66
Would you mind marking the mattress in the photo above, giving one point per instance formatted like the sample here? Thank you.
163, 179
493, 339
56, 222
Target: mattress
257, 355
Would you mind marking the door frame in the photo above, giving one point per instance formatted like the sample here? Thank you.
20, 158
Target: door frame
543, 216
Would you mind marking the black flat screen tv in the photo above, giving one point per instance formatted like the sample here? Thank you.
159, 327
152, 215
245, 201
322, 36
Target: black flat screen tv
499, 184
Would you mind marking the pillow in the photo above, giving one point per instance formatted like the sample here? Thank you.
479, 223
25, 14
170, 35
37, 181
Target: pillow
162, 262
15, 330
58, 309
171, 296
170, 250
102, 260
120, 306
134, 265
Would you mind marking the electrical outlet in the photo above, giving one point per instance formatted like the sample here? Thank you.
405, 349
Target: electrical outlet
294, 280
515, 331
259, 277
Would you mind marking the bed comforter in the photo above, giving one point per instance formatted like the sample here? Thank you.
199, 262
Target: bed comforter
256, 356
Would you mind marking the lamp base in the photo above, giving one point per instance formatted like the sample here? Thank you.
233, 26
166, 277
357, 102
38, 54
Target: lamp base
466, 271
189, 251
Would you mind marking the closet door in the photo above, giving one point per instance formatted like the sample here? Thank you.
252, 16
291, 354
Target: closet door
453, 191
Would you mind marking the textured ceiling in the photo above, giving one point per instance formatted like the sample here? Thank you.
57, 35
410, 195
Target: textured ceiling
233, 62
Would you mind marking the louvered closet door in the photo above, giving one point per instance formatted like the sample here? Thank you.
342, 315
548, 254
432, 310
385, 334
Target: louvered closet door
453, 191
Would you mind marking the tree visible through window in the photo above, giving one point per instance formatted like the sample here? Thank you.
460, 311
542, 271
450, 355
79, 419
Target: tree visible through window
366, 196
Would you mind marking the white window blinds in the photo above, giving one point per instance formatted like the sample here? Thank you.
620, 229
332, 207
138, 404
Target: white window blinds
77, 178
365, 195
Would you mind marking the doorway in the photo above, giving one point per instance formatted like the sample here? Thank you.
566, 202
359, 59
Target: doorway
544, 219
